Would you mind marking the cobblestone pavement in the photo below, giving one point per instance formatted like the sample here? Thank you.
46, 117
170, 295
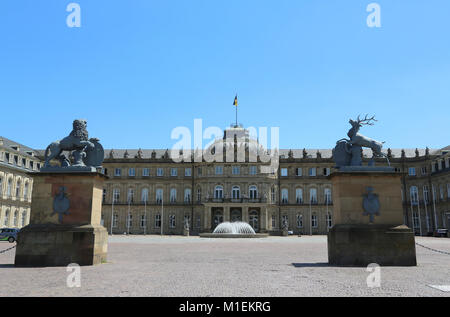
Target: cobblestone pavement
191, 266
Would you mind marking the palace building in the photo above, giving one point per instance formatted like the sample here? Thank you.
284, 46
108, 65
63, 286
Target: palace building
148, 192
16, 160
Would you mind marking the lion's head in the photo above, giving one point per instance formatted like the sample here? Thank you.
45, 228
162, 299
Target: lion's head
79, 129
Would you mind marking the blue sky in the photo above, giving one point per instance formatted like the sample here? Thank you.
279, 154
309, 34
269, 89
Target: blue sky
137, 69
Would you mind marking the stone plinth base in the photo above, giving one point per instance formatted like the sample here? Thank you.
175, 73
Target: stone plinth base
61, 245
360, 245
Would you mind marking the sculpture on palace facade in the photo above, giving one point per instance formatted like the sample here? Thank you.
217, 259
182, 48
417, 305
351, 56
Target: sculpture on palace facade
348, 152
86, 154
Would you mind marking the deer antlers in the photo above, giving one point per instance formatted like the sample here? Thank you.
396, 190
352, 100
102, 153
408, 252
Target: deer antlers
366, 120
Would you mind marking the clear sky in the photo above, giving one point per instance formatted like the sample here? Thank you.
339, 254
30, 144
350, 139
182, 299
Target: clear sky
136, 69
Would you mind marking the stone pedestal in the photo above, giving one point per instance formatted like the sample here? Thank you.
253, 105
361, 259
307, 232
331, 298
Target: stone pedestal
186, 232
59, 239
284, 233
355, 240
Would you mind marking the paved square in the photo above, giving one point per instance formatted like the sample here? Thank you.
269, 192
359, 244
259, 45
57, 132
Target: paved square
191, 266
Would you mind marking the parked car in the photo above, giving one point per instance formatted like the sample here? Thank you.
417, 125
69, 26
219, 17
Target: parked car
442, 232
8, 234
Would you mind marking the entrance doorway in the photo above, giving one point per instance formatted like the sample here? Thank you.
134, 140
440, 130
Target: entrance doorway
254, 220
217, 218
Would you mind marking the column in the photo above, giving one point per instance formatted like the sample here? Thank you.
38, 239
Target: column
226, 214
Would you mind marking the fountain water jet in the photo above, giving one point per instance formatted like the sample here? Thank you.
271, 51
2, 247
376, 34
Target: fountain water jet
237, 229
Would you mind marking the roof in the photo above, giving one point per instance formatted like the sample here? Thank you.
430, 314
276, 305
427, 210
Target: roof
23, 149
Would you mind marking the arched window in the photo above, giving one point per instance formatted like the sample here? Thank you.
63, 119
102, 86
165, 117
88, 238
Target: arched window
18, 187
327, 195
236, 192
187, 195
144, 195
253, 192
9, 188
414, 195
299, 195
6, 219
284, 196
16, 218
116, 195
313, 196
218, 192
24, 218
173, 195
199, 194
159, 195
130, 196
254, 220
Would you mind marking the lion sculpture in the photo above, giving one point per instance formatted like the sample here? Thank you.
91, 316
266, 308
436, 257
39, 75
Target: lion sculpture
78, 140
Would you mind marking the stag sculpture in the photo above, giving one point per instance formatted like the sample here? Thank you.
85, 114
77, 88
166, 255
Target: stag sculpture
348, 152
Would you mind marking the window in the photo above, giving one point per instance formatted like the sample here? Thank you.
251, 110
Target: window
130, 195
312, 171
157, 221
115, 220
253, 170
441, 191
284, 172
313, 196
274, 221
24, 162
273, 194
132, 172
103, 196
31, 165
329, 220
326, 171
314, 221
25, 190
172, 221
327, 195
173, 195
16, 218
18, 187
6, 220
448, 190
199, 171
299, 221
236, 192
416, 220
144, 195
219, 170
424, 170
187, 172
116, 195
145, 172
174, 171
426, 196
187, 195
414, 195
284, 196
298, 171
218, 192
412, 171
1, 187
117, 172
236, 170
143, 221
160, 172
199, 194
159, 195
9, 188
253, 192
24, 218
299, 195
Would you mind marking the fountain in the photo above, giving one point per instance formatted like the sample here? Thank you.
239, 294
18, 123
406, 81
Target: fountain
233, 230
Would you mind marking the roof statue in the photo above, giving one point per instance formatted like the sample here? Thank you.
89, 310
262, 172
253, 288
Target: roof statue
85, 154
348, 152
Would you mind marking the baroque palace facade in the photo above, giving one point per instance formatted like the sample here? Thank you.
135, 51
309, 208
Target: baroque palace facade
16, 161
147, 192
